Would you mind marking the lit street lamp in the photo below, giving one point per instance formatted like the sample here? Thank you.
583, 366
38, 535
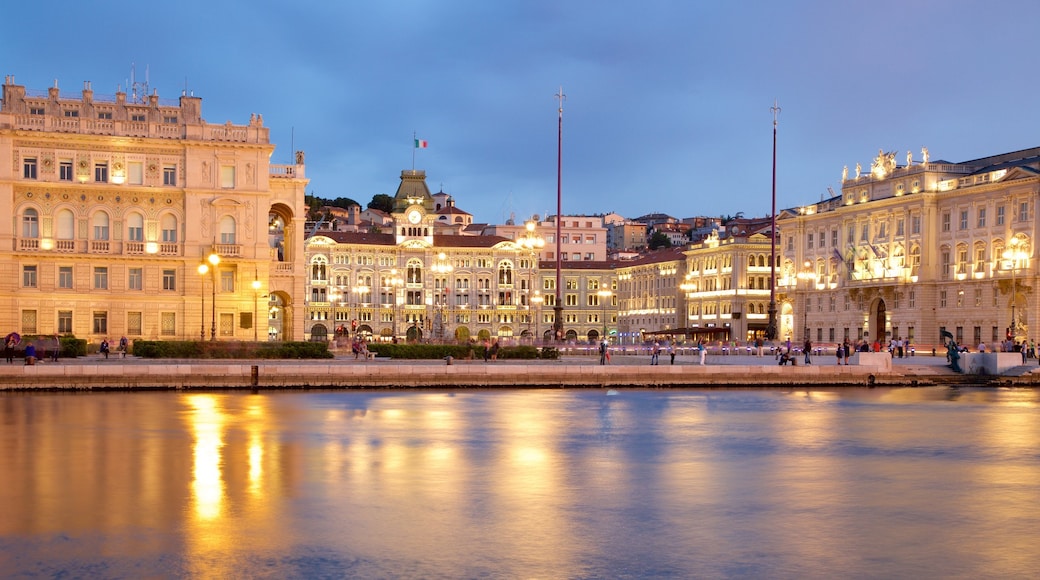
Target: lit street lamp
203, 270
1013, 256
808, 276
394, 282
604, 297
442, 267
536, 300
533, 243
214, 260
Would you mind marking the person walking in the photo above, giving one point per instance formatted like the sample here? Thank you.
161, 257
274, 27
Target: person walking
603, 352
839, 352
807, 349
671, 353
655, 353
701, 350
57, 348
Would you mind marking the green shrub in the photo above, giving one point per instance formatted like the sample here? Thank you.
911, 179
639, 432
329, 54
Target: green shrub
230, 350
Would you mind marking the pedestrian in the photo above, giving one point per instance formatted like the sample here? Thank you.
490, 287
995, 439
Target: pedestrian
701, 350
487, 351
671, 353
847, 348
759, 345
494, 351
104, 347
9, 350
57, 348
807, 349
124, 345
655, 353
840, 352
603, 352
30, 354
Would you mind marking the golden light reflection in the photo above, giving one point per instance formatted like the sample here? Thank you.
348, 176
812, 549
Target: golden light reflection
255, 414
207, 487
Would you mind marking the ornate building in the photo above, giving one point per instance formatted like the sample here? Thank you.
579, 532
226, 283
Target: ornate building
908, 250
115, 204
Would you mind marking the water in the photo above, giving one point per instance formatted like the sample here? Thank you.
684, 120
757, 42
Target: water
522, 484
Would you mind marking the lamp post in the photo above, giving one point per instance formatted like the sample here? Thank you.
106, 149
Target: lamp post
394, 281
359, 293
442, 267
256, 312
688, 287
604, 297
536, 300
203, 270
1012, 256
533, 243
558, 305
771, 330
807, 275
214, 260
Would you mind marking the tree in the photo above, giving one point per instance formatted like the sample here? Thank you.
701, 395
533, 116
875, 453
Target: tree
659, 240
382, 202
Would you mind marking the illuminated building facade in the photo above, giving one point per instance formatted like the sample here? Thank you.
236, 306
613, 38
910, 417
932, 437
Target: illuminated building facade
908, 250
114, 205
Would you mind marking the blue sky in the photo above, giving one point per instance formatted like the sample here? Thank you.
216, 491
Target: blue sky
667, 103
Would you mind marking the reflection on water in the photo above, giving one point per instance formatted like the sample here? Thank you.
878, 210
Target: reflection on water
550, 484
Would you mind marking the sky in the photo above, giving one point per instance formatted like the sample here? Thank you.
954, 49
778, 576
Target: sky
667, 104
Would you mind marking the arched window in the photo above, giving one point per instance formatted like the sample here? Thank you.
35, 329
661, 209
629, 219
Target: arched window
100, 224
135, 227
168, 224
505, 273
30, 223
319, 268
65, 225
414, 272
227, 230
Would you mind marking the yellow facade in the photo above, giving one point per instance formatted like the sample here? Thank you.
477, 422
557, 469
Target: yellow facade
908, 250
114, 203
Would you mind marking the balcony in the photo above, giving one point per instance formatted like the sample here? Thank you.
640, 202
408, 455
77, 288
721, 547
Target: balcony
228, 250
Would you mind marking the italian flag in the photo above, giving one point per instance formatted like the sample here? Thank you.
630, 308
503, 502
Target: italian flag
420, 144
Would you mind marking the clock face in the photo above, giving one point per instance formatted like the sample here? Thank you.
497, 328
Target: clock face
414, 217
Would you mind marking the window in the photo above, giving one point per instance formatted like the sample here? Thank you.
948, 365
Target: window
30, 223
912, 299
101, 172
834, 238
106, 115
100, 323
65, 277
227, 281
982, 217
1023, 211
227, 230
37, 111
964, 220
29, 168
100, 226
505, 274
29, 322
227, 324
864, 234
227, 176
28, 276
168, 224
944, 258
135, 228
135, 173
65, 225
169, 119
169, 279
65, 170
851, 235
1000, 215
809, 240
548, 283
138, 118
168, 323
945, 221
915, 224
134, 323
65, 322
134, 279
942, 298
571, 300
169, 175
100, 278
71, 113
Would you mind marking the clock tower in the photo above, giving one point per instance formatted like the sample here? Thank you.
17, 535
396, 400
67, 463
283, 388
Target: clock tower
413, 209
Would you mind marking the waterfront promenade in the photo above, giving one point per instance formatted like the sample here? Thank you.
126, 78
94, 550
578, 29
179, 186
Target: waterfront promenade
571, 371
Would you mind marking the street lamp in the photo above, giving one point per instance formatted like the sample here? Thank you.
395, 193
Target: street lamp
537, 301
394, 282
604, 297
214, 260
256, 295
1012, 256
360, 291
533, 243
203, 270
771, 330
808, 276
444, 268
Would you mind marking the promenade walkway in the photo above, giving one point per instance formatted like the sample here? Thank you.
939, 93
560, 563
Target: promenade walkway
344, 371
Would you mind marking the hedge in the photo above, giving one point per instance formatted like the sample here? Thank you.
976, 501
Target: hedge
458, 351
229, 350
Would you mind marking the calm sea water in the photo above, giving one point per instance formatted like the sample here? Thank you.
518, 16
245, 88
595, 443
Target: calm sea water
930, 483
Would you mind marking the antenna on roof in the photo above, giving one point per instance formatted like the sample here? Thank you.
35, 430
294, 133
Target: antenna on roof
135, 86
831, 190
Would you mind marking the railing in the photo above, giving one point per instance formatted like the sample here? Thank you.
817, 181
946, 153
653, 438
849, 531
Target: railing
229, 250
30, 244
65, 245
134, 247
283, 171
283, 268
99, 247
169, 249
